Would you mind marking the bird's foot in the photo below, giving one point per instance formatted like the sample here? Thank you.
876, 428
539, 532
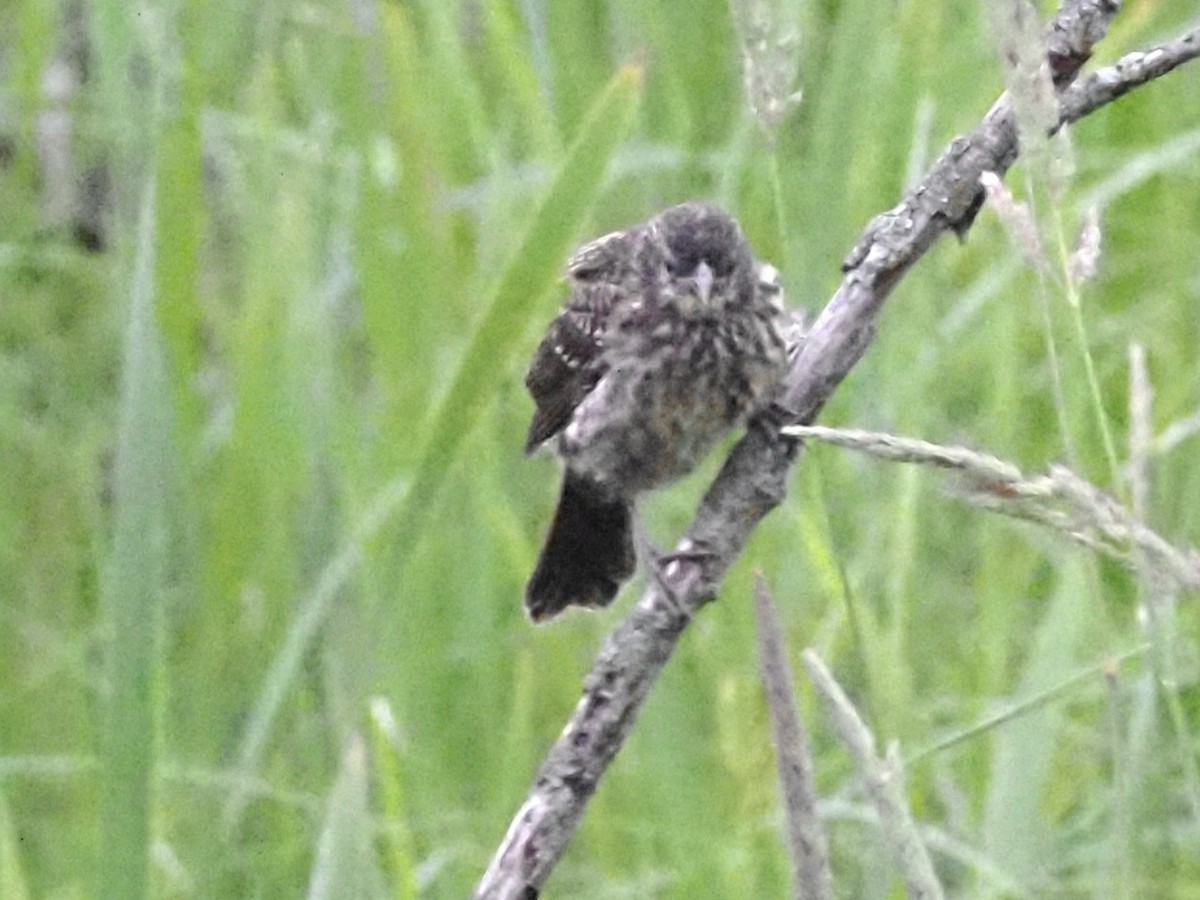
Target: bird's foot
669, 571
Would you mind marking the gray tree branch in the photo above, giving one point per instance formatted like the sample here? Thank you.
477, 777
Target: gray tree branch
754, 478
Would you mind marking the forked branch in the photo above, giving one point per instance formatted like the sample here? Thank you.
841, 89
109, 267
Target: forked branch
753, 480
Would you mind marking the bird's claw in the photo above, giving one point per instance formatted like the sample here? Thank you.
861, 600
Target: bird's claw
667, 567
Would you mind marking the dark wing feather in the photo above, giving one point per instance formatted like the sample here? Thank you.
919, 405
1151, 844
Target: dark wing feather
570, 359
565, 368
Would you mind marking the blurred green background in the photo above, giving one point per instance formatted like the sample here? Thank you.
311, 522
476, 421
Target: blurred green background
269, 275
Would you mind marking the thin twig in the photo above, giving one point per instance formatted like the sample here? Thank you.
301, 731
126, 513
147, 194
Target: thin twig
793, 756
883, 780
1059, 499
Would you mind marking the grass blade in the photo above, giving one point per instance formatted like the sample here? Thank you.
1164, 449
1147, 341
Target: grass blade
807, 842
135, 579
527, 278
346, 865
12, 879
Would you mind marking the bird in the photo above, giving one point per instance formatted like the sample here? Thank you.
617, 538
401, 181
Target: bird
672, 334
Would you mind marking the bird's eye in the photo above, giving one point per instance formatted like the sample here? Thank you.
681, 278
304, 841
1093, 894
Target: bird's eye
681, 267
687, 268
720, 264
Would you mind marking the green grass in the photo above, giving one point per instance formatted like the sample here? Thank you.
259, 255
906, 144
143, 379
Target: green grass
266, 519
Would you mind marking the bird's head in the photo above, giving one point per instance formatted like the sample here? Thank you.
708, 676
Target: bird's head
707, 258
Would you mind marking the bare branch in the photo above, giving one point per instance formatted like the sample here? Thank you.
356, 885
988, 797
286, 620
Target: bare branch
754, 478
1130, 71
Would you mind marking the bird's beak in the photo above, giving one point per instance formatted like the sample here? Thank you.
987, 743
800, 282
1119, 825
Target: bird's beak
704, 281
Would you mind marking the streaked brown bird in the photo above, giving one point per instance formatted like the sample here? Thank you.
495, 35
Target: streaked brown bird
671, 336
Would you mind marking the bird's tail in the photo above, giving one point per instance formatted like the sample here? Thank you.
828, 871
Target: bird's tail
587, 554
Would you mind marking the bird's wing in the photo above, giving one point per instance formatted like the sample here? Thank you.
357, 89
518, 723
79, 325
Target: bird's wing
569, 361
606, 259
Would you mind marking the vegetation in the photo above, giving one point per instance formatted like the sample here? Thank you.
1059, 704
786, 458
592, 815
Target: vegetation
266, 520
